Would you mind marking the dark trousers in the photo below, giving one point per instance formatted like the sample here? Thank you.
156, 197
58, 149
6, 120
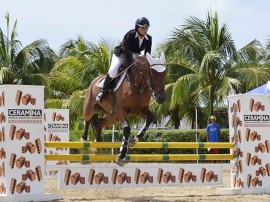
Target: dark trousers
213, 151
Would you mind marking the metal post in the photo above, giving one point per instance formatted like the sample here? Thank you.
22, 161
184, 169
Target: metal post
196, 128
112, 141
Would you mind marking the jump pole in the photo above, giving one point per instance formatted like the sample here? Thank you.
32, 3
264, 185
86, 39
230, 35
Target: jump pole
147, 145
138, 157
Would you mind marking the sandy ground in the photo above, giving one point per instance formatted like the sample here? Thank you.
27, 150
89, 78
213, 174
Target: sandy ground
180, 194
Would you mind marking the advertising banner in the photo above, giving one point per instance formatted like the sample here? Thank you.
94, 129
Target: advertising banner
249, 118
56, 126
21, 140
146, 175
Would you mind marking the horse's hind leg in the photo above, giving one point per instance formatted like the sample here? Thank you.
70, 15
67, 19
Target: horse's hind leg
100, 123
96, 127
110, 120
89, 119
85, 133
135, 138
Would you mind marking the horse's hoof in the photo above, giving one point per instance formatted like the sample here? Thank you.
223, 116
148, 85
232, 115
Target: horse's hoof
92, 150
132, 141
120, 162
82, 140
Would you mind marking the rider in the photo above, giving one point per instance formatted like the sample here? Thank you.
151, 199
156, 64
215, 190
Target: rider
134, 41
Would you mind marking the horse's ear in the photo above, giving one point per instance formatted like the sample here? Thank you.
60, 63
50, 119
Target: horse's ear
162, 56
149, 57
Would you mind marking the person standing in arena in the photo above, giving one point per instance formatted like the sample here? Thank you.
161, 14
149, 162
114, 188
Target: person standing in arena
213, 134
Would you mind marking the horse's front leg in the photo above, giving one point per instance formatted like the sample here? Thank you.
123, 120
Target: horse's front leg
135, 138
124, 147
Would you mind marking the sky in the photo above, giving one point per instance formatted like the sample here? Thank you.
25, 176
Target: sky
58, 21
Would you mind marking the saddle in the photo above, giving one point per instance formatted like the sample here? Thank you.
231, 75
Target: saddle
116, 81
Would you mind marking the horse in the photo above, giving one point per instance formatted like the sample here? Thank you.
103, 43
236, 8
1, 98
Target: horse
146, 76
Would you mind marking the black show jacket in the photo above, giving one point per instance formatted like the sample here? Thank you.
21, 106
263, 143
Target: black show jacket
130, 44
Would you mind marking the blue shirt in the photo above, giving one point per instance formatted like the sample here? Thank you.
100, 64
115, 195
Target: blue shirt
213, 131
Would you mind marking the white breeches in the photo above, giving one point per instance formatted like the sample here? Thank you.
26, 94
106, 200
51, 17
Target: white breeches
115, 64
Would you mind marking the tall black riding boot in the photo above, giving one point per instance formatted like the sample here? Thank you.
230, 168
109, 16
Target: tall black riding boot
100, 96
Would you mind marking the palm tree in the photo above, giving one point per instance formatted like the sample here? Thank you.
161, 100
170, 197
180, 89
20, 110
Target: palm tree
84, 60
209, 66
24, 65
81, 62
250, 68
267, 48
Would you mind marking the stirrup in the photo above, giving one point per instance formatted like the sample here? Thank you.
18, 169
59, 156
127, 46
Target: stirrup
100, 96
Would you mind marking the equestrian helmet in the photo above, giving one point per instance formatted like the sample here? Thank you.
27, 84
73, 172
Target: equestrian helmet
142, 22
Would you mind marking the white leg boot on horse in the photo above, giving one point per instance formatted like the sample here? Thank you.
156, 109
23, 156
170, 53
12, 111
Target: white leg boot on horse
135, 138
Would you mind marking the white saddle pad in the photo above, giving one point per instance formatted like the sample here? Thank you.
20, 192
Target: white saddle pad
101, 83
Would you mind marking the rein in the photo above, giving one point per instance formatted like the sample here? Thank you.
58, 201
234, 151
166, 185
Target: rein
125, 69
141, 73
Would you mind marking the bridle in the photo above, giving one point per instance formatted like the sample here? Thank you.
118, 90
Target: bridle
136, 88
145, 86
146, 82
152, 75
141, 73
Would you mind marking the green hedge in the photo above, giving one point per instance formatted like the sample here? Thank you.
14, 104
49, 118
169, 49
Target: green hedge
159, 136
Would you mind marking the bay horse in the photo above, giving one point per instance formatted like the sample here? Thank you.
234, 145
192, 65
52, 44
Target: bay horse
146, 76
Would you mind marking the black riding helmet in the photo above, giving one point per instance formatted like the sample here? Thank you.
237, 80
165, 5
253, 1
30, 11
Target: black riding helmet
142, 22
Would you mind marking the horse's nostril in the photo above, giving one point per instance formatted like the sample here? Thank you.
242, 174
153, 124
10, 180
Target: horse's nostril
160, 98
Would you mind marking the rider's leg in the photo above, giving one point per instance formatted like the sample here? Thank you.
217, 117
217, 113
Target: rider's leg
106, 85
112, 73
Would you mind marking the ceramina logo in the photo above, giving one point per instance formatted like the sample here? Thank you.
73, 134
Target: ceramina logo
56, 125
257, 118
25, 113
